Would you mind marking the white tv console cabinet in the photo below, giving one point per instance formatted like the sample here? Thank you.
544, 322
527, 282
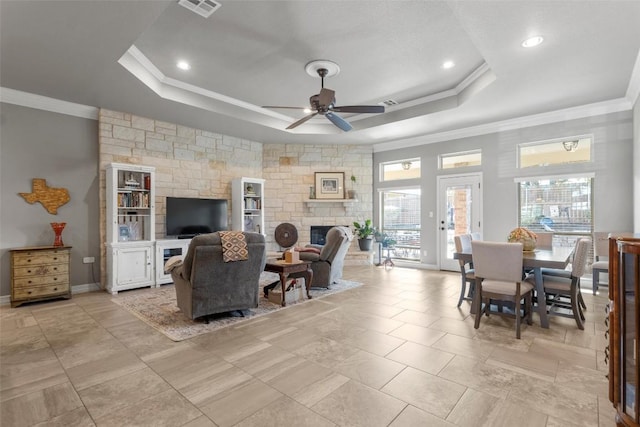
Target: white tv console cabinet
165, 249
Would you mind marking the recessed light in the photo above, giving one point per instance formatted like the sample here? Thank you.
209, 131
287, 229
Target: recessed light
532, 41
448, 64
183, 65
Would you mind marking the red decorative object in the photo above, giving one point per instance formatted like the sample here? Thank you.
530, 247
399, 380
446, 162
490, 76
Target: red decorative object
57, 228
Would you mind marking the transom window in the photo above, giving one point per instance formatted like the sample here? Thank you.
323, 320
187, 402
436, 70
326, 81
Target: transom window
460, 160
555, 152
400, 169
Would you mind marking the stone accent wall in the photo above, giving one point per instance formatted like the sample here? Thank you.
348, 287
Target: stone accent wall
189, 162
196, 163
289, 171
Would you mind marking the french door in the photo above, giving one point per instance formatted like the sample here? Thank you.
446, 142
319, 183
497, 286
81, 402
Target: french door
459, 212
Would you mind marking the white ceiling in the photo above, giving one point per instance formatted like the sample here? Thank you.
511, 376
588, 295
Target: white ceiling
121, 55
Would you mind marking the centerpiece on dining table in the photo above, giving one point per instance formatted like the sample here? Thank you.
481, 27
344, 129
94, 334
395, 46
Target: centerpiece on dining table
525, 236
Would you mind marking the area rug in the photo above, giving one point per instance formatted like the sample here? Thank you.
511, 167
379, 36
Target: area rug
158, 308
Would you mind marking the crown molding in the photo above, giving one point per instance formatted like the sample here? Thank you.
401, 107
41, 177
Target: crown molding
142, 68
589, 110
25, 99
455, 91
31, 100
136, 62
633, 90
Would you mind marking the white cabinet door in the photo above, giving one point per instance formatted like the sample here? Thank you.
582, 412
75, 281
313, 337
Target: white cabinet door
132, 267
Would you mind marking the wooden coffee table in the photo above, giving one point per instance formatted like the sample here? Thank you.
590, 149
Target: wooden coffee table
284, 269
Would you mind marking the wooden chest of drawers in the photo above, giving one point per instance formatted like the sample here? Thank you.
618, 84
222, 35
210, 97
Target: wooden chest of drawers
39, 273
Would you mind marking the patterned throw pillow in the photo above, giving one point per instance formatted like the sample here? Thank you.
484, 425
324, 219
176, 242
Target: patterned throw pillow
234, 246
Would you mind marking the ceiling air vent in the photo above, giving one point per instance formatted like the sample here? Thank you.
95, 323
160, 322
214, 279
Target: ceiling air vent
389, 102
201, 7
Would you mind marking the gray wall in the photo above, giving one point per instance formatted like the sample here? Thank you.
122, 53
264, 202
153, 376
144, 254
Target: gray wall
613, 164
63, 150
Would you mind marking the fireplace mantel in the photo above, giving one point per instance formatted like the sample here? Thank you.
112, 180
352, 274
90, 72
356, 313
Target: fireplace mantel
344, 202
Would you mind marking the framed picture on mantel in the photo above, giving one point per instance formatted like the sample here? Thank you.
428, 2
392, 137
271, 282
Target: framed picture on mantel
329, 185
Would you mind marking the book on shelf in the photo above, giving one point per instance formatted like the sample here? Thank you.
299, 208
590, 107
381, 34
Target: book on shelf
133, 200
253, 204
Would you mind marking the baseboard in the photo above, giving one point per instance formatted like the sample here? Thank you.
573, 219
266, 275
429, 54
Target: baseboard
416, 265
77, 289
87, 287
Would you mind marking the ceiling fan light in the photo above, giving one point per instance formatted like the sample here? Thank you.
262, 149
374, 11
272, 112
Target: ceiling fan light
533, 41
307, 110
448, 64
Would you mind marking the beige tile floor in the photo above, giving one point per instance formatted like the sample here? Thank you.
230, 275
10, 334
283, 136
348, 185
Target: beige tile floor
394, 352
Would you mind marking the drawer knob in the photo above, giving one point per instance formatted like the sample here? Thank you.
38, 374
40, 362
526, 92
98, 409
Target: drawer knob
55, 268
28, 271
29, 281
28, 260
55, 289
55, 278
29, 292
55, 258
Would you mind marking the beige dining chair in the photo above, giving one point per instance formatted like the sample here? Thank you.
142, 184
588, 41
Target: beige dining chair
564, 293
498, 271
600, 257
566, 273
463, 244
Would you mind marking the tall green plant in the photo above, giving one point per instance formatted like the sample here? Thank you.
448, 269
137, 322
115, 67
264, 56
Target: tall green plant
365, 230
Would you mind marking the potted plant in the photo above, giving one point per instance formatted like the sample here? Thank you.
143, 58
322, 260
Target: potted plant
351, 194
365, 232
385, 239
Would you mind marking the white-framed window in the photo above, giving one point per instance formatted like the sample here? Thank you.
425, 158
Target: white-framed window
575, 149
400, 220
562, 205
400, 169
461, 159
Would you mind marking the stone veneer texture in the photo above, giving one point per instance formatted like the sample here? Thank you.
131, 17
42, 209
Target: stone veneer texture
289, 171
197, 163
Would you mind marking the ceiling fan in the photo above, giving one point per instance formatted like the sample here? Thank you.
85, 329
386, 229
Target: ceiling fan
324, 104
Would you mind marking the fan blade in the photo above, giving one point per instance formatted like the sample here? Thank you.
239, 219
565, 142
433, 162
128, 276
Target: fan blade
301, 121
292, 108
326, 97
359, 109
338, 121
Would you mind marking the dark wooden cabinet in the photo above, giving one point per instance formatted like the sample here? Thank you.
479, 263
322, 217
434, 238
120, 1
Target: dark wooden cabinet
624, 327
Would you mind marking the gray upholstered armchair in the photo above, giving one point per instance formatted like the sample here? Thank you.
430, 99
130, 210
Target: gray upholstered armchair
205, 284
327, 265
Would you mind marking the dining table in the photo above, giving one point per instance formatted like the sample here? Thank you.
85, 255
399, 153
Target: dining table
556, 258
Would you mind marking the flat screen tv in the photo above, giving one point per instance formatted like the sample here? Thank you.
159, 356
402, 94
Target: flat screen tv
188, 217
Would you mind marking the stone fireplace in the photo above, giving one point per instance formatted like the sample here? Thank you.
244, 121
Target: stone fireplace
319, 234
